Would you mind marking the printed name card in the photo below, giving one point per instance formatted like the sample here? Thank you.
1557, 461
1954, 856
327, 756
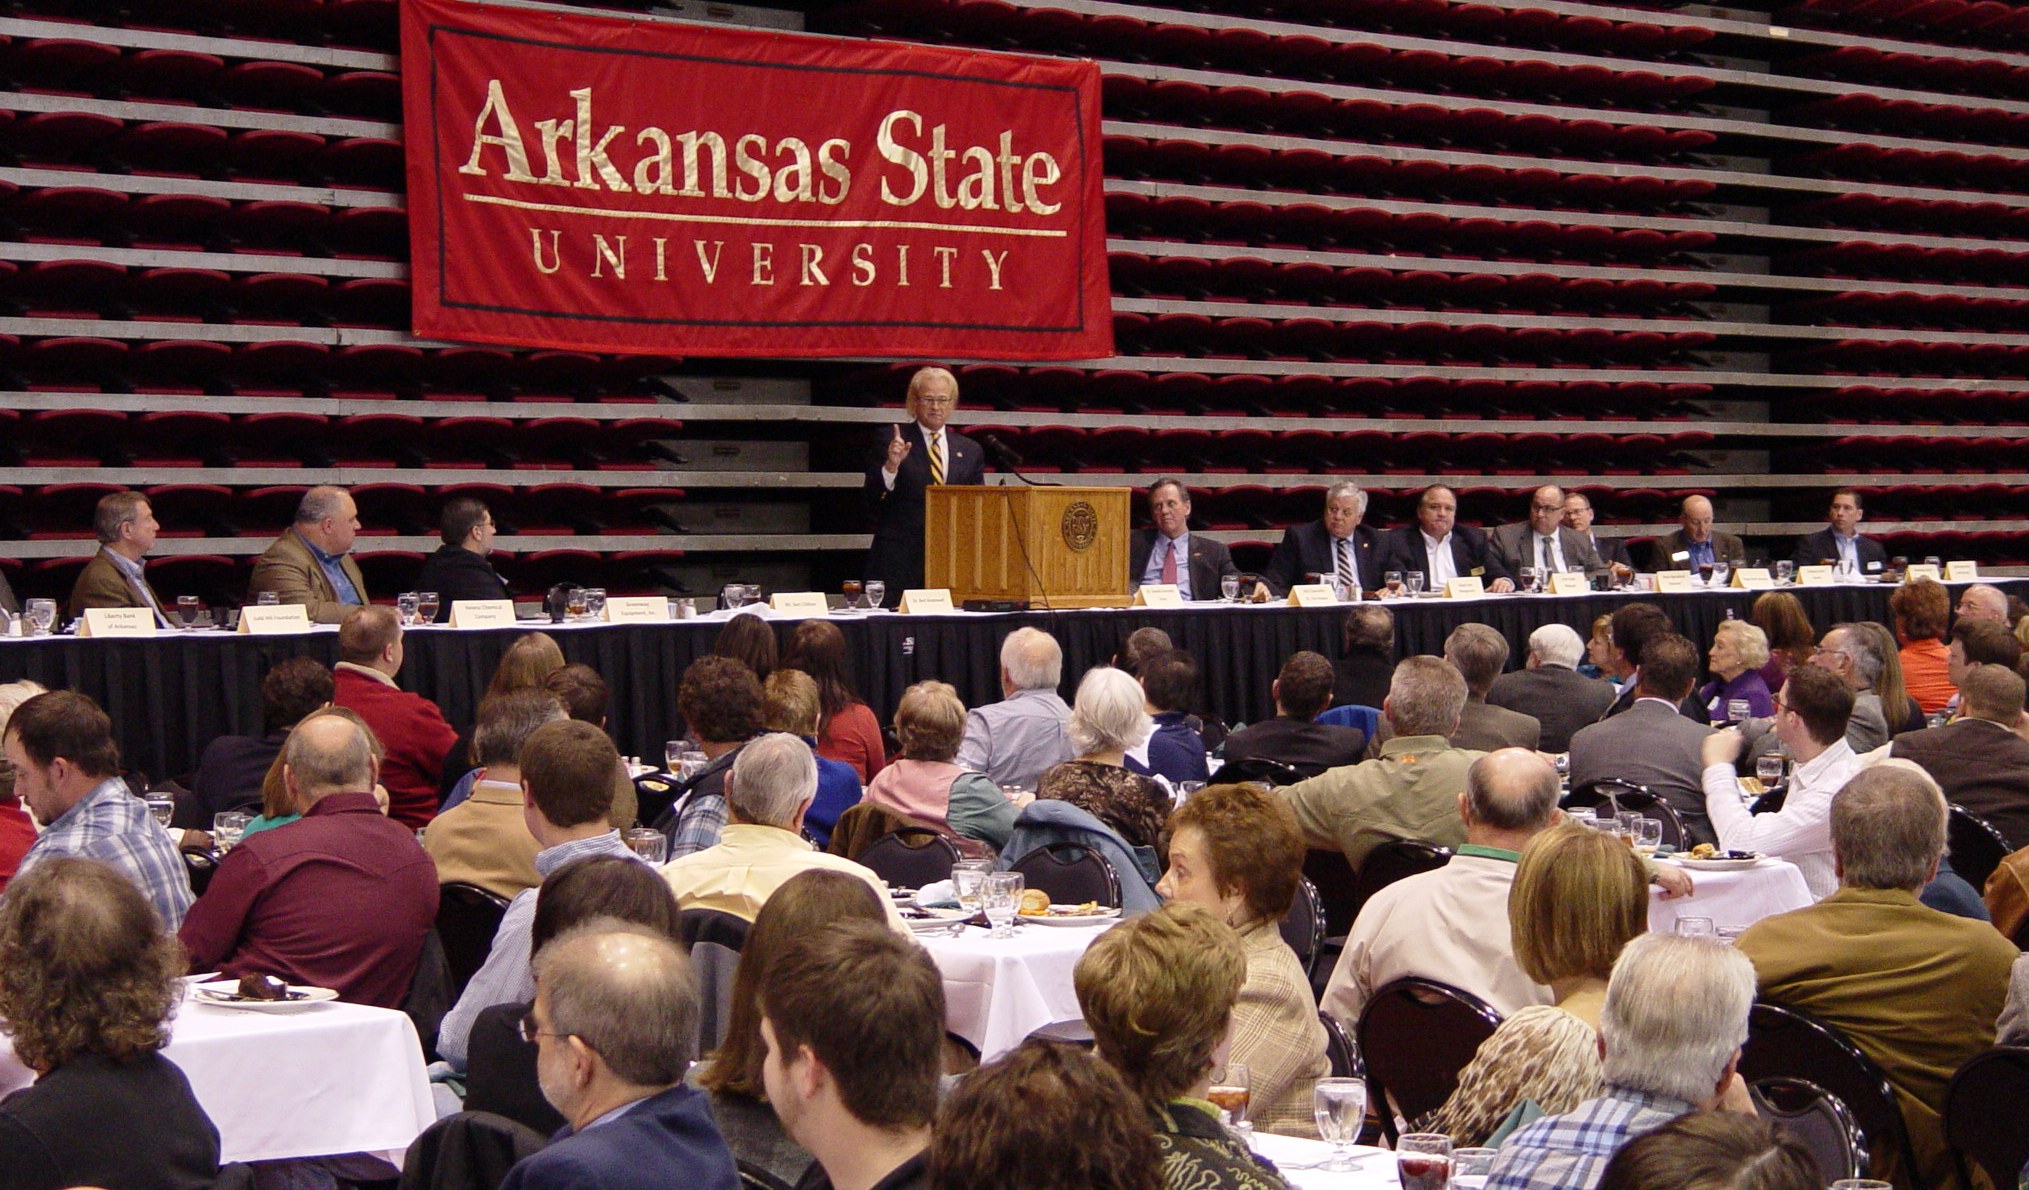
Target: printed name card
482, 613
637, 609
117, 621
1961, 572
1673, 581
1814, 576
800, 603
1753, 578
1469, 587
1312, 595
276, 619
1919, 570
1158, 595
1568, 582
927, 601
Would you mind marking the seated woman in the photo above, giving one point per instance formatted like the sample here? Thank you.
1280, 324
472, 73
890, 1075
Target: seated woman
924, 785
1579, 896
1236, 850
849, 731
88, 982
1158, 992
1108, 718
750, 640
1787, 628
1044, 1116
1739, 650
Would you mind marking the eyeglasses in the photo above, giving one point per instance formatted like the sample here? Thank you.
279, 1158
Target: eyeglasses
529, 1030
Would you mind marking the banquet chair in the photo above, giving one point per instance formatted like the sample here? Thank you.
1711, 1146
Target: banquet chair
1625, 795
756, 1178
1416, 1035
468, 1151
910, 857
1303, 927
715, 940
467, 917
1338, 1048
1071, 874
1785, 1042
201, 863
1392, 861
429, 997
500, 1075
1258, 769
1982, 1114
1975, 846
1820, 1120
1367, 719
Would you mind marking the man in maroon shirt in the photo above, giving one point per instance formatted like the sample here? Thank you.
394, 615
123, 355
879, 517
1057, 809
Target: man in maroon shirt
341, 899
411, 729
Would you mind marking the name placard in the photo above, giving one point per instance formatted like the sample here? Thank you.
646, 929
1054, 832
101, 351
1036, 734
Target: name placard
799, 603
1919, 570
1961, 572
1568, 582
1469, 587
1753, 578
1312, 595
1673, 581
1158, 595
117, 621
482, 613
927, 601
274, 619
1814, 576
636, 609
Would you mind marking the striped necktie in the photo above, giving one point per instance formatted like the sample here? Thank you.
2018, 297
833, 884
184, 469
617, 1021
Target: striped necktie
1345, 551
937, 456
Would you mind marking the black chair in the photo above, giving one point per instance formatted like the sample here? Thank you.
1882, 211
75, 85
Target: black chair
467, 918
429, 997
911, 857
1415, 1036
1975, 847
1258, 769
1983, 1114
715, 940
1625, 795
1071, 874
1783, 1042
1338, 1048
1816, 1117
236, 1176
1395, 860
1303, 927
202, 864
715, 926
468, 1150
500, 1075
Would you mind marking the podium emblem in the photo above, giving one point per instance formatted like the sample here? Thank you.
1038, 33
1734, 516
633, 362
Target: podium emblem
1080, 526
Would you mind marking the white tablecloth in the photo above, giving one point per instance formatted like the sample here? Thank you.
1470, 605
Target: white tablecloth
327, 1078
1733, 899
1373, 1169
997, 992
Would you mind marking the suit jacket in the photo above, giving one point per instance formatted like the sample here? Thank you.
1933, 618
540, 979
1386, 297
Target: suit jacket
1310, 549
1814, 548
1209, 561
1690, 708
668, 1139
455, 573
1305, 745
1610, 549
1725, 548
290, 570
1981, 765
1485, 728
1650, 745
1562, 700
100, 584
1515, 546
1469, 553
896, 555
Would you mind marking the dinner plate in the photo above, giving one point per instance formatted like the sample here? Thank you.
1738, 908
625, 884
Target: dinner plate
1718, 865
1058, 917
225, 994
939, 919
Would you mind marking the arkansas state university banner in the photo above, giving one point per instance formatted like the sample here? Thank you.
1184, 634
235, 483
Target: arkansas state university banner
612, 185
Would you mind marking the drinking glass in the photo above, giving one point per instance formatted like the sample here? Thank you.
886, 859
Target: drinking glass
1583, 817
427, 603
1695, 927
1933, 560
1785, 572
1186, 788
226, 828
877, 591
1423, 1159
1630, 823
1528, 580
1648, 836
854, 590
731, 594
41, 614
188, 608
968, 883
751, 593
268, 599
1721, 573
1705, 573
1768, 767
574, 604
1232, 1090
162, 807
1340, 1106
1392, 580
1470, 1168
672, 753
1001, 896
690, 764
1229, 587
648, 843
595, 602
405, 607
1738, 710
1413, 579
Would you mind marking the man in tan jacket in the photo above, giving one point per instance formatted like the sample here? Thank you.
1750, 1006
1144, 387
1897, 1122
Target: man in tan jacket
126, 527
311, 563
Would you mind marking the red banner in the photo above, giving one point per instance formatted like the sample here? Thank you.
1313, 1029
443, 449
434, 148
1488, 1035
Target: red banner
611, 185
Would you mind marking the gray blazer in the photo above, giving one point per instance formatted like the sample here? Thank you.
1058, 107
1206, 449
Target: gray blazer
1515, 546
1649, 744
1562, 700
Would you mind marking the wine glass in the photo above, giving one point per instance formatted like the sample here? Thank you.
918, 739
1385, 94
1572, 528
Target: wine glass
1340, 1105
1392, 580
1232, 1091
1229, 587
1768, 767
690, 764
1721, 572
731, 595
1423, 1160
574, 604
1000, 898
1785, 572
853, 590
1705, 573
672, 753
188, 608
1413, 579
41, 614
648, 843
877, 592
1528, 580
1470, 1168
595, 602
1648, 836
405, 607
161, 807
226, 828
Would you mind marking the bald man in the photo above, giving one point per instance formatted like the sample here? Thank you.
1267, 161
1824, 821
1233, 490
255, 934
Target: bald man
1983, 602
1695, 544
1543, 542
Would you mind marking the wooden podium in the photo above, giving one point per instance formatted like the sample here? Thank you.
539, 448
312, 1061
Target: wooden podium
1053, 546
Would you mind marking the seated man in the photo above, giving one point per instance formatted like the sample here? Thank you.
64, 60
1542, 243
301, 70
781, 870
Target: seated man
1652, 743
767, 794
1170, 553
1578, 517
1480, 654
1336, 545
853, 1018
1916, 989
1551, 688
1983, 601
1849, 653
484, 840
311, 564
341, 899
1294, 737
721, 700
1842, 546
1451, 924
1978, 759
1696, 544
232, 768
1628, 632
1441, 549
1810, 719
1409, 791
1017, 739
791, 703
126, 528
1543, 543
1366, 661
616, 1009
1174, 750
410, 727
1674, 1021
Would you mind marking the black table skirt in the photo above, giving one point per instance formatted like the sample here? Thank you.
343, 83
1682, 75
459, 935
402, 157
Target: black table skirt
169, 696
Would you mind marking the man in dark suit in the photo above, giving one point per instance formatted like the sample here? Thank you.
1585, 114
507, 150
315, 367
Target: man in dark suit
1651, 743
1457, 551
1632, 627
905, 460
1695, 544
1170, 553
1302, 690
1578, 518
459, 570
1551, 688
1840, 543
1977, 758
1542, 542
1338, 544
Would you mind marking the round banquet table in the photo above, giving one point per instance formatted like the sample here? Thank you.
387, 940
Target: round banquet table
998, 991
1735, 899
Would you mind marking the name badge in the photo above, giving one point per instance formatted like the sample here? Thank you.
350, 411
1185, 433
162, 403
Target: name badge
1961, 572
482, 613
1919, 570
1158, 595
927, 601
1681, 556
637, 609
1875, 567
1753, 578
1673, 581
117, 621
1568, 582
275, 619
1477, 571
1814, 576
1465, 588
1312, 595
799, 603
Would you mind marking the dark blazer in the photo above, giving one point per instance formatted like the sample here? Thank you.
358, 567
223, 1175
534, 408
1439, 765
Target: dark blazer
1649, 745
896, 556
1309, 549
455, 573
668, 1139
1814, 548
1980, 765
230, 772
1725, 547
1690, 708
55, 1133
100, 584
1305, 745
1404, 550
1561, 699
1515, 546
1611, 549
1210, 561
1362, 680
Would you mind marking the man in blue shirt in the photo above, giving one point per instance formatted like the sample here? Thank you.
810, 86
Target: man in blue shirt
311, 564
1170, 554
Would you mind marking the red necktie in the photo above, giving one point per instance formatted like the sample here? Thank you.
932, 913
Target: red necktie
1169, 564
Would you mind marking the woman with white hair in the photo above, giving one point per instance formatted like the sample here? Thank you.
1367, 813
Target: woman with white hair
1739, 650
1108, 718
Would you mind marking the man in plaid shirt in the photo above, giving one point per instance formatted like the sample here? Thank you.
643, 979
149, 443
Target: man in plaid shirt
1675, 1018
67, 768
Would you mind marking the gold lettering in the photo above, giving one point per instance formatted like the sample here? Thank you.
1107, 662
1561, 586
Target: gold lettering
764, 263
553, 131
993, 264
863, 265
1007, 159
717, 145
1040, 170
907, 158
603, 255
829, 156
535, 248
592, 158
792, 181
508, 139
661, 245
944, 255
813, 256
975, 190
709, 267
902, 266
655, 173
752, 166
940, 157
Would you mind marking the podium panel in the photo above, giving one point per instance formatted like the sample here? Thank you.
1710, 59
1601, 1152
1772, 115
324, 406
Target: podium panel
1053, 546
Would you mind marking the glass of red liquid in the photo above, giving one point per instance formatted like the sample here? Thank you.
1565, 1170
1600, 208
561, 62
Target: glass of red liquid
1423, 1160
1232, 1091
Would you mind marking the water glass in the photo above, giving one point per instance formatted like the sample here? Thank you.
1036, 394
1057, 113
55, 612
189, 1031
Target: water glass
1721, 573
1000, 898
1470, 1168
1785, 572
1648, 837
690, 764
574, 604
1933, 560
267, 599
427, 604
1229, 587
1232, 1090
1423, 1160
41, 613
1739, 710
595, 602
405, 607
1768, 767
877, 591
648, 843
672, 753
1695, 927
1340, 1106
1583, 817
226, 828
1392, 581
162, 807
188, 609
732, 595
968, 883
1527, 582
1413, 579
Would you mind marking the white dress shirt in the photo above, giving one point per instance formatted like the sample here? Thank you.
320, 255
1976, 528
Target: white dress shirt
1546, 546
1800, 832
934, 442
1442, 567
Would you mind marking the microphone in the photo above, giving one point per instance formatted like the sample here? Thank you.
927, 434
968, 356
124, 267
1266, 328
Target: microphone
1002, 453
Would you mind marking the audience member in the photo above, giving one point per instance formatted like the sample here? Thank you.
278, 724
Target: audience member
1480, 654
230, 770
1158, 992
1630, 629
789, 702
1235, 850
1737, 690
460, 570
1601, 659
1840, 544
280, 806
126, 528
1551, 690
2007, 898
1852, 655
1889, 689
1337, 545
1714, 1150
484, 840
1044, 1116
848, 731
410, 727
1916, 989
1173, 750
67, 771
311, 562
1451, 924
1946, 892
1170, 554
1543, 543
2013, 1026
749, 639
1922, 611
853, 1020
585, 697
1652, 744
1978, 759
720, 699
1294, 737
1975, 643
1014, 740
615, 1015
1791, 639
1409, 791
1440, 548
806, 904
1983, 601
566, 780
1671, 1030
1694, 543
88, 981
1810, 720
1140, 645
526, 664
1108, 720
1366, 662
1578, 517
17, 829
288, 902
926, 784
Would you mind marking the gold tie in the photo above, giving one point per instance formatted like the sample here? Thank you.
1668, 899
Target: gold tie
936, 457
